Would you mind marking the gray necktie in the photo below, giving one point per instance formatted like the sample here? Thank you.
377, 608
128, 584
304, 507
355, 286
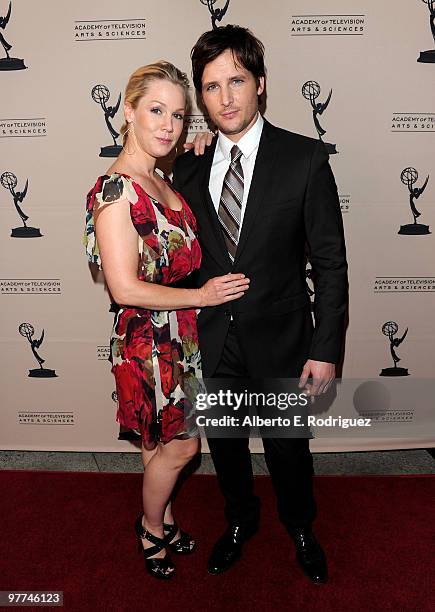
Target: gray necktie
230, 204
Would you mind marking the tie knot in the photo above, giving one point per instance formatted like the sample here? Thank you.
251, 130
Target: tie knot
236, 153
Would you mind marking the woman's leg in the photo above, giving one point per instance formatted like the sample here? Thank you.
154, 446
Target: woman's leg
161, 469
168, 516
147, 454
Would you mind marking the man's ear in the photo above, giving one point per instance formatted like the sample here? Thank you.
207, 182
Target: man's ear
260, 87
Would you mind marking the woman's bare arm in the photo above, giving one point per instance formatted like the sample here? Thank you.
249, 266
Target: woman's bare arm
118, 243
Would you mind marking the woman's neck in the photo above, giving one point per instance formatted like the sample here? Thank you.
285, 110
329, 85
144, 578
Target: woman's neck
139, 164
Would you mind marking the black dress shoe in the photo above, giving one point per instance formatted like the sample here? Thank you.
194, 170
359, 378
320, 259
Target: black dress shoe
228, 548
310, 555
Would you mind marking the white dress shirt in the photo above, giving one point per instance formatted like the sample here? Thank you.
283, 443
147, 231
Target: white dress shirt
248, 145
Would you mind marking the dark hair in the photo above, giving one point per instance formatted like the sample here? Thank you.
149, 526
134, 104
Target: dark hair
246, 48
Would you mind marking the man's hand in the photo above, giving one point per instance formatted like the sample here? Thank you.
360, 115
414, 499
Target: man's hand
322, 373
202, 140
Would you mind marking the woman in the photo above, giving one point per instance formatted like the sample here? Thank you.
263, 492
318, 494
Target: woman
143, 235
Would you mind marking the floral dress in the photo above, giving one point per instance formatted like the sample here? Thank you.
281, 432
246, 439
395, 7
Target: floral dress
154, 353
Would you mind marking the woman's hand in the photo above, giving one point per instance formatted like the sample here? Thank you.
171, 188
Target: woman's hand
201, 140
221, 289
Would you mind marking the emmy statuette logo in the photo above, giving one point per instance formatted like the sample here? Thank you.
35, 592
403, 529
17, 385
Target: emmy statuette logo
311, 91
8, 62
390, 328
216, 14
101, 94
9, 181
409, 177
428, 57
27, 331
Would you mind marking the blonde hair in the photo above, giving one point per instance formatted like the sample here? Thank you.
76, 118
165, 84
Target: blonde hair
139, 81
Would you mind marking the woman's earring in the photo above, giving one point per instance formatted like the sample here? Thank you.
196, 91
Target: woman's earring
133, 138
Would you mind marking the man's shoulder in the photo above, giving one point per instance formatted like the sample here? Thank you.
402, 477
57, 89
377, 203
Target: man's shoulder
185, 168
189, 160
293, 139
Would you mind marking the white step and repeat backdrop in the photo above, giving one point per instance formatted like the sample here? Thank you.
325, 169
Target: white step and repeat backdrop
377, 58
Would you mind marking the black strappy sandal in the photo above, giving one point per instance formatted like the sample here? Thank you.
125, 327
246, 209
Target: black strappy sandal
156, 567
185, 543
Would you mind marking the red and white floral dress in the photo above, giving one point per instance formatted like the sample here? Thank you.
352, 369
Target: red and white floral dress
154, 353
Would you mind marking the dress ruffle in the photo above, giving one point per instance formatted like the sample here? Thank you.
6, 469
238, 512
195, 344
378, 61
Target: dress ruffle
107, 190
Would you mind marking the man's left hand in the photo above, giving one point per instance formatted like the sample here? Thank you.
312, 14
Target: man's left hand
322, 373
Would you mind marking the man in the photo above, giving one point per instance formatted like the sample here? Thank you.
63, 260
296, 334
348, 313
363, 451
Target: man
260, 195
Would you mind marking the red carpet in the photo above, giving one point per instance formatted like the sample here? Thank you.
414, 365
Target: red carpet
74, 532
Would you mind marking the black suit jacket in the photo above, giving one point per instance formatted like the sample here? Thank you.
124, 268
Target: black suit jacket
292, 204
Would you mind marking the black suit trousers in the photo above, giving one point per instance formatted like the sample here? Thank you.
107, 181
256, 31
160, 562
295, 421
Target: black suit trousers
289, 462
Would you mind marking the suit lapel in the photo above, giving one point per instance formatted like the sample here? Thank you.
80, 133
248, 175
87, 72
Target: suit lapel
217, 247
264, 162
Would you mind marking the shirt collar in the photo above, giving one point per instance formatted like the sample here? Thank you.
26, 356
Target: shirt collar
247, 144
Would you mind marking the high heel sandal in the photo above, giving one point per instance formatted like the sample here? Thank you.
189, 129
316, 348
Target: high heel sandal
185, 543
156, 567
